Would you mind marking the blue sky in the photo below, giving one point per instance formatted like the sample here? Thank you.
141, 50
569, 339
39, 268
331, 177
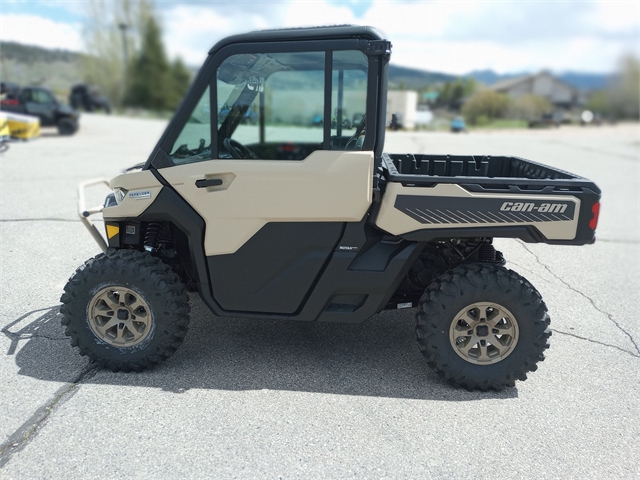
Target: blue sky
454, 36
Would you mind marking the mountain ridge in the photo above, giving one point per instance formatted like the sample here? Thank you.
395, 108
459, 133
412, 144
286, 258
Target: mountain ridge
579, 80
400, 77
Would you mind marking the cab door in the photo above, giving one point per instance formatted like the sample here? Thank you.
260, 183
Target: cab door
272, 160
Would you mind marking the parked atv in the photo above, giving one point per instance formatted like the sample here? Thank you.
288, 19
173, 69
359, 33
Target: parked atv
89, 98
333, 231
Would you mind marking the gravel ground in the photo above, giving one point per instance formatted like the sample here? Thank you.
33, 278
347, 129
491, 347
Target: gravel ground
266, 399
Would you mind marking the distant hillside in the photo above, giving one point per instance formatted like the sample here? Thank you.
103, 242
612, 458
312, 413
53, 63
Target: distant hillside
489, 77
31, 65
31, 53
582, 81
418, 79
586, 81
415, 79
59, 69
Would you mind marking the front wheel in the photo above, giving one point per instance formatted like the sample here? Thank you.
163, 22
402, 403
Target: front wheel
125, 311
482, 326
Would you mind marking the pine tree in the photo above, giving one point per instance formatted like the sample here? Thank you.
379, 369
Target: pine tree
180, 80
104, 64
150, 77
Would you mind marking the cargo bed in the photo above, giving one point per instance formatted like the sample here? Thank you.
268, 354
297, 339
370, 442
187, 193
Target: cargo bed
484, 169
432, 197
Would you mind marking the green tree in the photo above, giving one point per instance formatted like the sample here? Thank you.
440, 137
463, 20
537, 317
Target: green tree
624, 92
485, 105
445, 94
150, 75
180, 81
470, 85
599, 102
621, 97
529, 107
452, 94
457, 92
104, 65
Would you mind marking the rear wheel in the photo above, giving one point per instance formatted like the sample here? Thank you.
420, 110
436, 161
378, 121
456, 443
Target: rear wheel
67, 126
482, 326
429, 265
125, 311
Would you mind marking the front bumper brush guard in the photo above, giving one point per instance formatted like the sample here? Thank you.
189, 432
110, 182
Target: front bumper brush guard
85, 213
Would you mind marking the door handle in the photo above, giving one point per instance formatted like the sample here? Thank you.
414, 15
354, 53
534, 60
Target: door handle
208, 182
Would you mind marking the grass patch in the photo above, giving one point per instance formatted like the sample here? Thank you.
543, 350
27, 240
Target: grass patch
501, 124
143, 113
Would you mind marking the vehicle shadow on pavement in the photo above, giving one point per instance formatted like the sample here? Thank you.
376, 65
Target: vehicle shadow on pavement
41, 348
378, 358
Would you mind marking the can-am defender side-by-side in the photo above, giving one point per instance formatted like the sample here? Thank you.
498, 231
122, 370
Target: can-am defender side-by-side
267, 212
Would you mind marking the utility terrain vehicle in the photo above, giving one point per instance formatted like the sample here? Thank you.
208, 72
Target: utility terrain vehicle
89, 98
300, 220
42, 103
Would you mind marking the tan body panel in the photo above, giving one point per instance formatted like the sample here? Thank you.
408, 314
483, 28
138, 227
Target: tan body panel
396, 222
136, 200
328, 186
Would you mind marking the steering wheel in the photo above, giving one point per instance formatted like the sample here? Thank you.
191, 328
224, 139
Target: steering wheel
237, 150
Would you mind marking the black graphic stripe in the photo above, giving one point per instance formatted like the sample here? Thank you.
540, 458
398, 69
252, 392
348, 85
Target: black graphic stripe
462, 210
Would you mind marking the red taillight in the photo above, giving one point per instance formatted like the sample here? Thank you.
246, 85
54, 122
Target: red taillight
596, 212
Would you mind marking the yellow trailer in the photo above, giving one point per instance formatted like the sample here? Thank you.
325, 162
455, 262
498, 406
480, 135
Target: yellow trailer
23, 127
5, 132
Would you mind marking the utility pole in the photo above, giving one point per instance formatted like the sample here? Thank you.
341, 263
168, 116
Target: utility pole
123, 28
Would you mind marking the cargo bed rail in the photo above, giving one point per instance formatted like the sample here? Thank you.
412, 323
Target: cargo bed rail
482, 172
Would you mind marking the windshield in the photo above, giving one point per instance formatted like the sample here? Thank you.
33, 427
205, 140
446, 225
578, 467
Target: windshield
194, 142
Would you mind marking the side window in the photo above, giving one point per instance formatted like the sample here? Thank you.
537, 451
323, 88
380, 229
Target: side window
348, 100
194, 142
42, 97
271, 106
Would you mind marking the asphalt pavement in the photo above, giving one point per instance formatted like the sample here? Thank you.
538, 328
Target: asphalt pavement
266, 399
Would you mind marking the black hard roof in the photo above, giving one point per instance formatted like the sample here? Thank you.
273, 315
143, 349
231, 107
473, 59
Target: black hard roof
308, 33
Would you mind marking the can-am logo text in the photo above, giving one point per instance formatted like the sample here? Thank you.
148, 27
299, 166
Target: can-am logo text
532, 207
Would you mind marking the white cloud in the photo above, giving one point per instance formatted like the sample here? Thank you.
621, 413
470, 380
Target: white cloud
317, 12
460, 57
192, 29
616, 17
457, 37
452, 36
36, 30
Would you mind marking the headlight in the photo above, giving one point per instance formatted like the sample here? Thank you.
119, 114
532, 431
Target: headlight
120, 193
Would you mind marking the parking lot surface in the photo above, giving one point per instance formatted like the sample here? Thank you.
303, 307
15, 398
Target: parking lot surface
267, 399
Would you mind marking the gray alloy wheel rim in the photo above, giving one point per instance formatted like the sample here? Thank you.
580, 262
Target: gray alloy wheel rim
484, 333
119, 316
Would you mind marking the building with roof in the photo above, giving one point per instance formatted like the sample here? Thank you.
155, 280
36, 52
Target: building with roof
559, 93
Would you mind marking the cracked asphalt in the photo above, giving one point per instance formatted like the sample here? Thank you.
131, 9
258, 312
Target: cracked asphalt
266, 399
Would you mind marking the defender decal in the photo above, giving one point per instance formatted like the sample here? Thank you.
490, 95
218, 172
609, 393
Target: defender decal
140, 194
477, 210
